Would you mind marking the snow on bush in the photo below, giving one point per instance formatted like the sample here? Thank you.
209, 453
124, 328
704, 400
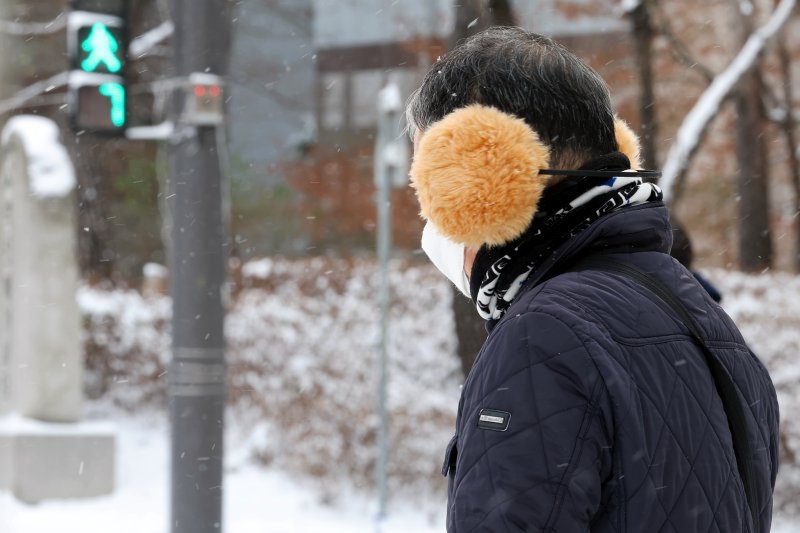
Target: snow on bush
302, 339
126, 340
303, 374
303, 367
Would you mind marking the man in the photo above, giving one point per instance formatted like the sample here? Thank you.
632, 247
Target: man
606, 398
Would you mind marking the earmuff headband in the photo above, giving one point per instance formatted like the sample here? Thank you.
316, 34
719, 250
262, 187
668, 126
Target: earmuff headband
602, 173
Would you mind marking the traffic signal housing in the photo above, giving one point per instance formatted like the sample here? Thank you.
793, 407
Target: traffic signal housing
97, 47
99, 103
204, 105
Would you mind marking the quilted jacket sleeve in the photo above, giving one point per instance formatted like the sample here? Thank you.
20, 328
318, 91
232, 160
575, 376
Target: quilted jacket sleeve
545, 470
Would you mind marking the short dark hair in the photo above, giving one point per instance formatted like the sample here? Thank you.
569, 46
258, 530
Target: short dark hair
529, 76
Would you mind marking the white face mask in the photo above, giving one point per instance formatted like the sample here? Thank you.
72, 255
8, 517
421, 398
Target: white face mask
447, 256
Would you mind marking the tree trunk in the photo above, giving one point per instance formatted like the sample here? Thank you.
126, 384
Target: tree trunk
473, 16
501, 13
470, 331
755, 246
643, 44
755, 243
788, 128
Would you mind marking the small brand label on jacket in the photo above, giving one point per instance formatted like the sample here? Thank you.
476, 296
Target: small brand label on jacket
494, 419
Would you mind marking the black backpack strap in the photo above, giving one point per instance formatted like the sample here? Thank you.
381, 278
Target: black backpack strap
722, 380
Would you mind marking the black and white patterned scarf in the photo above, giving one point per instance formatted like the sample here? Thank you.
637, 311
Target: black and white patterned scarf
565, 210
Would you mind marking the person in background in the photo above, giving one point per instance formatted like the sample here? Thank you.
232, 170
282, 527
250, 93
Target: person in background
682, 251
611, 394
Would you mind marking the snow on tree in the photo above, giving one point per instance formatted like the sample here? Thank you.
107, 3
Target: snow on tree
629, 6
706, 108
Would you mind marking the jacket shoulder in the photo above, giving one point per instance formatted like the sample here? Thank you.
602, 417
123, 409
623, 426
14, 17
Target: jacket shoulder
545, 464
535, 342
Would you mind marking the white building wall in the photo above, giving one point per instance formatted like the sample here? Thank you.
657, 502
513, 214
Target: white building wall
340, 23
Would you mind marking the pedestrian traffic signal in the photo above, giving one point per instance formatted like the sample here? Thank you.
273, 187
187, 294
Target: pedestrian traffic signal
97, 47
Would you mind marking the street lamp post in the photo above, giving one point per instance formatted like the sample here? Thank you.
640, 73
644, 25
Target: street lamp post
391, 155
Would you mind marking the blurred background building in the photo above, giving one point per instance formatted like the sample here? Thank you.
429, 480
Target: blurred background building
302, 101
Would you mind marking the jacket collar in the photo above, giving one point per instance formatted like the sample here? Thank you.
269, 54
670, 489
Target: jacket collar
644, 228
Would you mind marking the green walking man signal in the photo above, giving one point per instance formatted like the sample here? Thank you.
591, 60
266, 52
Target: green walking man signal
101, 47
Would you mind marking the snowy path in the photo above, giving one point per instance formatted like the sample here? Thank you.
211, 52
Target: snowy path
257, 500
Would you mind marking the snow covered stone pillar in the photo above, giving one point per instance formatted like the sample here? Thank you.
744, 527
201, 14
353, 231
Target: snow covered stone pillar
41, 372
45, 450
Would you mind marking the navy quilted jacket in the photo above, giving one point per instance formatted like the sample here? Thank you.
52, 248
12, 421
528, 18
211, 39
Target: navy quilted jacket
590, 408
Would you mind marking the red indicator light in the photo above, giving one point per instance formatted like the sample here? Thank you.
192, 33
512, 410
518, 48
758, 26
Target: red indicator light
215, 91
199, 90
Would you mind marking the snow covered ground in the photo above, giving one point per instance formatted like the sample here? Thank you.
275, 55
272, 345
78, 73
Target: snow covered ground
257, 499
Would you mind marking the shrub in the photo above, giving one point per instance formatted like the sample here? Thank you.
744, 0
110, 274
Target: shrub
302, 337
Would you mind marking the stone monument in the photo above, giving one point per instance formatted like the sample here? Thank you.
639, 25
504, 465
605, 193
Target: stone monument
46, 451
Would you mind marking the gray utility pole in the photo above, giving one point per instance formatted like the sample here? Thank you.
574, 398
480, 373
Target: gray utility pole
197, 259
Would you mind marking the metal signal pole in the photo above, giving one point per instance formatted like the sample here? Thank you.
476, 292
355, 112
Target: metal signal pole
391, 158
197, 259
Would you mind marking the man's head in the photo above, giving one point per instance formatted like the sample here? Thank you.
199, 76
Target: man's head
528, 76
488, 118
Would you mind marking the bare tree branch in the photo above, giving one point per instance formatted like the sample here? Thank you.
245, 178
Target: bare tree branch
707, 107
25, 29
34, 90
146, 42
680, 52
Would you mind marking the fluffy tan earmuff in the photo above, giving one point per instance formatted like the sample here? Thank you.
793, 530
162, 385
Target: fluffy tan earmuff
476, 174
628, 142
